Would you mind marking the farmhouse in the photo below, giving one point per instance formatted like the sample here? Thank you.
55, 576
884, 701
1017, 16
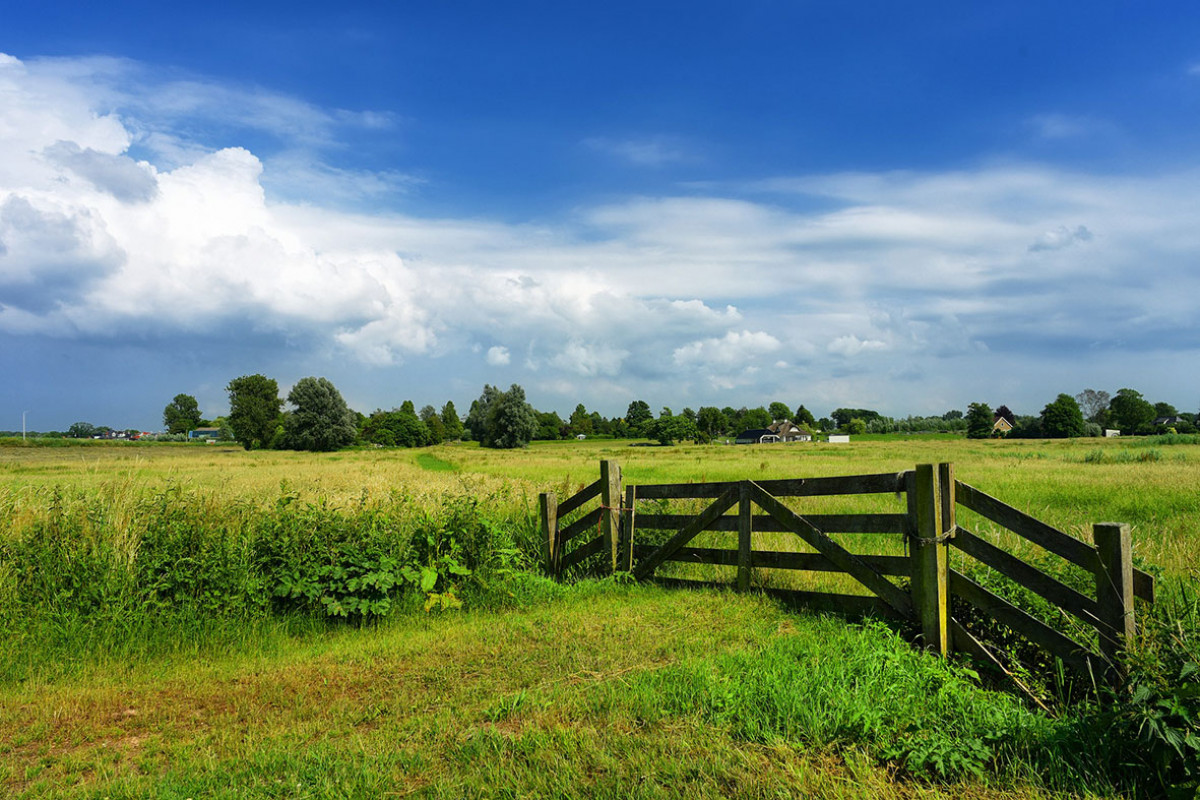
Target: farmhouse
788, 431
1001, 426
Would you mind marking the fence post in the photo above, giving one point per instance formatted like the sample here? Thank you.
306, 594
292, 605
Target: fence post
610, 502
548, 508
949, 524
627, 529
929, 559
745, 520
1114, 590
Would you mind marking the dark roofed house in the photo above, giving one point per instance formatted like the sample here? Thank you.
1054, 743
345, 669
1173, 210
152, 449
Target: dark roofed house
757, 436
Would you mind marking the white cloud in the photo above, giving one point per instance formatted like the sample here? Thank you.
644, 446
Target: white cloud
781, 288
498, 356
850, 346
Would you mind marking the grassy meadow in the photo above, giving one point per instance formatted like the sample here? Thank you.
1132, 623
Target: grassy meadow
201, 621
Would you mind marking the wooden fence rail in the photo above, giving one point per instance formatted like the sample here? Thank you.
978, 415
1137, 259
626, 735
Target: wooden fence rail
931, 497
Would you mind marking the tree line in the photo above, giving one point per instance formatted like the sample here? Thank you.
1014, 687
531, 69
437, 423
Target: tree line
319, 419
1089, 413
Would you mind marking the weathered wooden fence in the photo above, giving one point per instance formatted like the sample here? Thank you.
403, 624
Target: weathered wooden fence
928, 498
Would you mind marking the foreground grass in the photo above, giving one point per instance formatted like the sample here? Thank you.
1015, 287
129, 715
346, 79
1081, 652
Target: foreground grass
603, 691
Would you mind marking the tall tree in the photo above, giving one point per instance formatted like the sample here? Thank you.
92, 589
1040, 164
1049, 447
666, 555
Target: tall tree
511, 420
804, 417
979, 421
710, 421
433, 421
1003, 412
1062, 419
321, 421
1131, 412
1092, 403
778, 411
637, 416
580, 421
451, 423
182, 414
477, 417
254, 407
81, 430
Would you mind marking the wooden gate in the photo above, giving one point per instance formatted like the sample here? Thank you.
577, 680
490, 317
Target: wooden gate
927, 522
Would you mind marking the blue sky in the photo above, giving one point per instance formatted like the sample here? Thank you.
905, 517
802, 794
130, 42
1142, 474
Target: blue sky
906, 208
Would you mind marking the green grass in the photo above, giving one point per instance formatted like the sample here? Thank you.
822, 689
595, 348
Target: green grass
606, 691
145, 649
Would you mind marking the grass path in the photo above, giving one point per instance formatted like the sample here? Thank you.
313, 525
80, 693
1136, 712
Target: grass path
589, 695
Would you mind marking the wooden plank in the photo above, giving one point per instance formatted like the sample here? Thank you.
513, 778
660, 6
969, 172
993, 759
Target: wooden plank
855, 606
929, 562
745, 519
584, 552
577, 500
1020, 523
685, 535
588, 522
610, 502
548, 516
829, 523
775, 559
1073, 654
1114, 587
628, 520
1143, 585
888, 482
847, 561
1032, 578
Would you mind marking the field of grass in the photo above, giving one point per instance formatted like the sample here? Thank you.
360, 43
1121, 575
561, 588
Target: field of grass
163, 634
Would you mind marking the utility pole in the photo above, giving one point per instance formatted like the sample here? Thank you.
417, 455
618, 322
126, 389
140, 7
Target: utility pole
23, 413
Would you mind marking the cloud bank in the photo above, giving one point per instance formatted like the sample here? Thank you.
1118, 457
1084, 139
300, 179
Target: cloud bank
909, 291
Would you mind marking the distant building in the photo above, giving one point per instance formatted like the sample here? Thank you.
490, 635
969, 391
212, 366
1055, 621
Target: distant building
757, 436
205, 433
839, 438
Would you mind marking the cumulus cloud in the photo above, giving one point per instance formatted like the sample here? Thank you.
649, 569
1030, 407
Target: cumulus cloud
778, 284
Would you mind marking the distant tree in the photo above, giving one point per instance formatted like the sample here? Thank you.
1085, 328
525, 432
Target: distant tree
710, 421
825, 424
1092, 403
407, 407
804, 417
580, 421
688, 414
549, 426
668, 429
857, 427
1131, 412
1062, 419
254, 407
952, 415
637, 416
979, 421
477, 417
756, 418
1003, 412
778, 411
1165, 410
433, 423
320, 421
182, 414
511, 420
451, 424
842, 416
81, 430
